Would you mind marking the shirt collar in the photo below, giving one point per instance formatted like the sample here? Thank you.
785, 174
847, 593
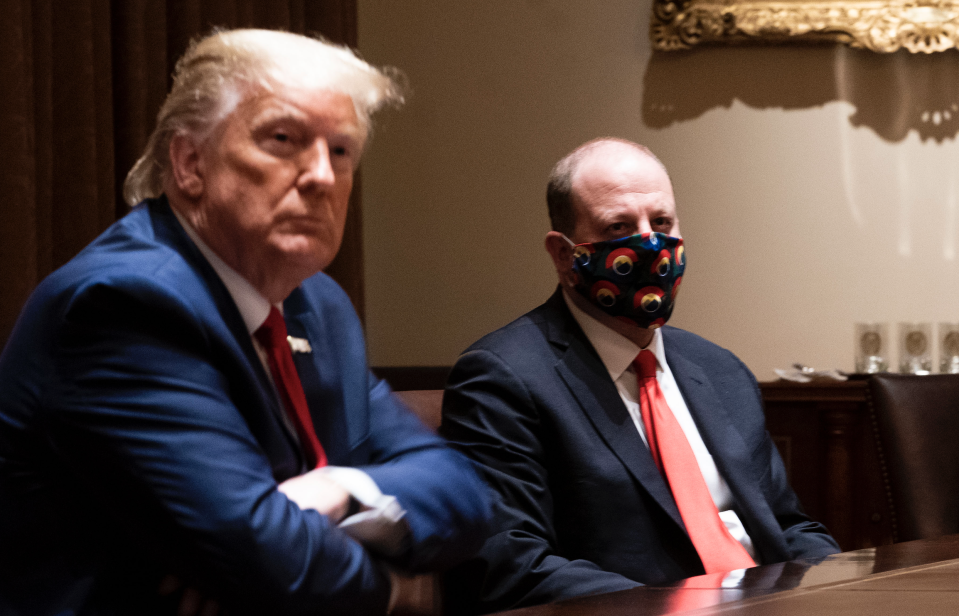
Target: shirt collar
615, 350
253, 307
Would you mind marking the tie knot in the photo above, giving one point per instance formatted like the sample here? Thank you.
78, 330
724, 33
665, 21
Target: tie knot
272, 334
645, 365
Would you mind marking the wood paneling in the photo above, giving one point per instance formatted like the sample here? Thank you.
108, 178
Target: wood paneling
831, 457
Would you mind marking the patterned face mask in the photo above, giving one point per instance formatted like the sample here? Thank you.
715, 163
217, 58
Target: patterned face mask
634, 278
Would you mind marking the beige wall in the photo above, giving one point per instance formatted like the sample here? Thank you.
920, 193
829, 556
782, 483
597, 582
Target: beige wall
816, 186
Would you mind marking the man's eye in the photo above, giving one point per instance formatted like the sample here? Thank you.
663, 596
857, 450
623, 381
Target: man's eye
342, 151
281, 137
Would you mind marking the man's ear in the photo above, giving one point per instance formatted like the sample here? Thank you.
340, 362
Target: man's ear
562, 254
185, 165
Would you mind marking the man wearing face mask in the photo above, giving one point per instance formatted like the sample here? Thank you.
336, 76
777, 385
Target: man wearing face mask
622, 452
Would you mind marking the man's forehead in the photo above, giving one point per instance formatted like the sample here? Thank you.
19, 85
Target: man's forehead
618, 171
302, 101
619, 165
326, 112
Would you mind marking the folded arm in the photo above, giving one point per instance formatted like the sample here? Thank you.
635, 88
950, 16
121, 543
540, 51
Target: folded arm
144, 419
447, 505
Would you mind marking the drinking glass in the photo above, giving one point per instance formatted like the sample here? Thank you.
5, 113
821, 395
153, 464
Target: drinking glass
949, 348
872, 347
915, 348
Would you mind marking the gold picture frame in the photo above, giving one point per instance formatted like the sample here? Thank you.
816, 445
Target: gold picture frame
883, 26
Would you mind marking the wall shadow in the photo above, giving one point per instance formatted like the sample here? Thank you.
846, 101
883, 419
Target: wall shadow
892, 93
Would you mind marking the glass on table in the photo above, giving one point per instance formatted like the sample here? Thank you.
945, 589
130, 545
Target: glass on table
915, 348
949, 348
872, 347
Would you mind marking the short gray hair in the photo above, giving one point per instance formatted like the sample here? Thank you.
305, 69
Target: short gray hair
559, 188
217, 72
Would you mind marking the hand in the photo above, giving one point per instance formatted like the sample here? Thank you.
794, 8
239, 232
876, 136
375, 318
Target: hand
314, 490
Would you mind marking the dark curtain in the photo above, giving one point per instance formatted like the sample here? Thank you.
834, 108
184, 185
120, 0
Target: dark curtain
83, 81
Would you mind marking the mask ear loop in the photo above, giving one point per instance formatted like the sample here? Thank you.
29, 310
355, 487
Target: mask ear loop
573, 246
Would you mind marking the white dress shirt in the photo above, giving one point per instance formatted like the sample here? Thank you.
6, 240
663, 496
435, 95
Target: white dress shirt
617, 354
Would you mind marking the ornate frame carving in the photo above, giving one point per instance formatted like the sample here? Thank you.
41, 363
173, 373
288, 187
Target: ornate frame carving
885, 26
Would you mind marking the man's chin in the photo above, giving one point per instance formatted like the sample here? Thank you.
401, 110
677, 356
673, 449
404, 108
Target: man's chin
305, 253
308, 265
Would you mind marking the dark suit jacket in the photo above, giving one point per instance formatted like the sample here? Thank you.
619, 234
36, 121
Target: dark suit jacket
582, 508
139, 436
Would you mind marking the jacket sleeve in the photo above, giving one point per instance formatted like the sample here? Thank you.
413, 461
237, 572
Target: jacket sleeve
804, 538
142, 417
489, 415
801, 537
447, 505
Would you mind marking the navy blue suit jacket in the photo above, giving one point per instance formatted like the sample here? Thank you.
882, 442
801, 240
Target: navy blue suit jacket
140, 436
582, 508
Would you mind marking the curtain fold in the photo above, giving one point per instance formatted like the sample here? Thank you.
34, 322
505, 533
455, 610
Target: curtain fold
84, 81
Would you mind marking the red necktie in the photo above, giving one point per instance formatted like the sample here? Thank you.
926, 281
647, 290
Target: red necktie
676, 460
272, 335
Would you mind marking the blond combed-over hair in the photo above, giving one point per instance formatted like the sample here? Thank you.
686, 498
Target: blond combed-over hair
219, 71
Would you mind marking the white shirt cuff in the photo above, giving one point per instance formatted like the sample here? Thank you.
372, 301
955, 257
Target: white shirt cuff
380, 526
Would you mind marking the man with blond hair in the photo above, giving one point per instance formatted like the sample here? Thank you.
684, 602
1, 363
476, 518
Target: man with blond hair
186, 404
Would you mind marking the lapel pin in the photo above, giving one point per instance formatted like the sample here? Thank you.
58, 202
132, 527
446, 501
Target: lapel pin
299, 345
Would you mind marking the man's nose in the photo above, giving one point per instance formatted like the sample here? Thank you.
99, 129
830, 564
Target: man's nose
317, 170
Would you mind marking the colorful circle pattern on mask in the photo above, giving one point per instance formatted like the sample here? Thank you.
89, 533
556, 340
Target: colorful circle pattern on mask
635, 278
649, 299
661, 265
621, 261
583, 252
605, 293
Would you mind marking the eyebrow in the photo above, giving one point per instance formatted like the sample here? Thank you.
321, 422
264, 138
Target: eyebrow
290, 113
273, 114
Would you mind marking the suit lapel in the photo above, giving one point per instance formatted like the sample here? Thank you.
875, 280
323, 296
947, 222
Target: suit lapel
723, 441
254, 377
327, 389
169, 232
589, 382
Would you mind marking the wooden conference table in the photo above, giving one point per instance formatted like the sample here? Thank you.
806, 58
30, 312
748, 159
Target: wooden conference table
918, 577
